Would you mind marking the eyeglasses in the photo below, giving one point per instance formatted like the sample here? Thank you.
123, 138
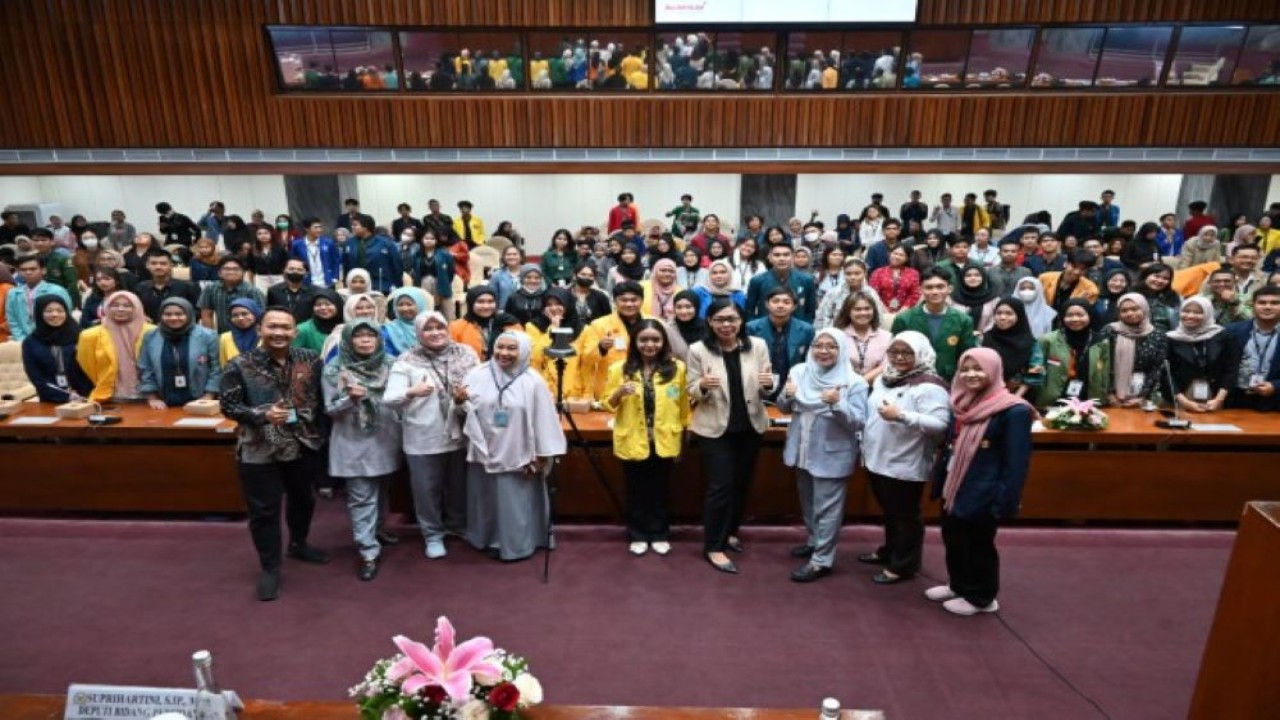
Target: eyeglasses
725, 320
901, 354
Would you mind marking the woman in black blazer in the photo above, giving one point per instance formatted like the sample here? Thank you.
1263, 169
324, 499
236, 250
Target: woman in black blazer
1202, 361
982, 475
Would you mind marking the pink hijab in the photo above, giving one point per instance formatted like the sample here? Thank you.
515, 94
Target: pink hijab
662, 304
125, 340
973, 411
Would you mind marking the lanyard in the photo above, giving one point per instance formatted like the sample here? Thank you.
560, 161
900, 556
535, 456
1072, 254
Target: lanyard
501, 388
861, 346
1262, 350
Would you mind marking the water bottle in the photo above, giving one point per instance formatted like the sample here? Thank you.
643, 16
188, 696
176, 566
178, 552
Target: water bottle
830, 709
202, 663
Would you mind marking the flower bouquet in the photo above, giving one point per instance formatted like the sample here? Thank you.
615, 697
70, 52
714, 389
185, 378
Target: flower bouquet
469, 681
1073, 414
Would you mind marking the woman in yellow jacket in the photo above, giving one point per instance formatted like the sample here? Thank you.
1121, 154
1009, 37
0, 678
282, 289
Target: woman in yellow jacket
646, 392
559, 312
243, 335
108, 353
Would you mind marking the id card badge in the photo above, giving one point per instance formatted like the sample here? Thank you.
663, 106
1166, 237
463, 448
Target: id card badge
1136, 381
501, 418
180, 381
1199, 390
1074, 387
62, 381
293, 417
619, 342
1257, 379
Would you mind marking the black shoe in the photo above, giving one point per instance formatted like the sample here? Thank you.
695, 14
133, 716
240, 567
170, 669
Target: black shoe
810, 572
725, 567
872, 559
802, 551
308, 554
368, 570
269, 585
386, 537
734, 544
884, 578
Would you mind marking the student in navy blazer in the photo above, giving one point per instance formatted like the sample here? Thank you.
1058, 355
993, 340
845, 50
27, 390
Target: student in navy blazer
317, 245
786, 337
828, 405
782, 274
1257, 343
980, 480
378, 254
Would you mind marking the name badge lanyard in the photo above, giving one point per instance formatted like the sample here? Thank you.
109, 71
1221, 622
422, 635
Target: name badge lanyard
446, 387
180, 376
62, 366
1262, 351
500, 415
861, 346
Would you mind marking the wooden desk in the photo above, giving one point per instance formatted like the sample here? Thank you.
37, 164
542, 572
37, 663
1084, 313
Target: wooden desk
143, 464
1131, 471
50, 707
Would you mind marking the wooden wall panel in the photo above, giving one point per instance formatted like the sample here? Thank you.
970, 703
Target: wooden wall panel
198, 73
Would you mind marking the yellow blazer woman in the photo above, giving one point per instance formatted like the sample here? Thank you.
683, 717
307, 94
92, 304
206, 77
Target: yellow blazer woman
96, 354
670, 415
227, 350
545, 365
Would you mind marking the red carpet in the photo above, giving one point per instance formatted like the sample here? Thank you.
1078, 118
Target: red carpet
1121, 614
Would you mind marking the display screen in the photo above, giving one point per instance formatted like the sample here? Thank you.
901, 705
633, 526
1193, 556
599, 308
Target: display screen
678, 12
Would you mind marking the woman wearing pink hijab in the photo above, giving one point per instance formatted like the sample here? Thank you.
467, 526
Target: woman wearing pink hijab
986, 468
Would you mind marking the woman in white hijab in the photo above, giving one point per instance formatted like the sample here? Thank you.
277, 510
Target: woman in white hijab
910, 411
828, 404
1201, 359
722, 281
514, 433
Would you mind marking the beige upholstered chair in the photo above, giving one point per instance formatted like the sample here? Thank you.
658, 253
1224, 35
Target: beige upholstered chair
13, 377
482, 262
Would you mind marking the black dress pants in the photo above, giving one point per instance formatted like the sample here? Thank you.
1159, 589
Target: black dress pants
903, 524
648, 486
266, 487
973, 565
729, 462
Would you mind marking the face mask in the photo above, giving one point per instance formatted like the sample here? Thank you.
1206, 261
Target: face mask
282, 225
295, 277
584, 282
811, 236
89, 243
1026, 296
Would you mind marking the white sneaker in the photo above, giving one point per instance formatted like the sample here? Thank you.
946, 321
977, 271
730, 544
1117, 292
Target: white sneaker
662, 547
960, 606
940, 593
639, 548
435, 549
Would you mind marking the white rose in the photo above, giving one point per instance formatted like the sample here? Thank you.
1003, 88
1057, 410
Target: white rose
530, 689
474, 710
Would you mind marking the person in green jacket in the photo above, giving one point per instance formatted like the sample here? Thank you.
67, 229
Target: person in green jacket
950, 331
559, 260
1077, 362
685, 217
58, 269
326, 315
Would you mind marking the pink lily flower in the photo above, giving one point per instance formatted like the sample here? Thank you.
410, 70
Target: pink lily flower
445, 665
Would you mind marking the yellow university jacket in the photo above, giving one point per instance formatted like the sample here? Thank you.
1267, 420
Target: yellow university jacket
593, 366
96, 354
670, 415
545, 365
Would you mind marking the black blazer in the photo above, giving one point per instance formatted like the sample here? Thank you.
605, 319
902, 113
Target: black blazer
1214, 360
993, 486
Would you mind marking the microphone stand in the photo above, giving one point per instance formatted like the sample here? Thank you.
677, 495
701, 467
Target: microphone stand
1177, 422
561, 356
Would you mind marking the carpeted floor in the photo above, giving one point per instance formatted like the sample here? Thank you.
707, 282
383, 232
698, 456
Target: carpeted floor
1120, 614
